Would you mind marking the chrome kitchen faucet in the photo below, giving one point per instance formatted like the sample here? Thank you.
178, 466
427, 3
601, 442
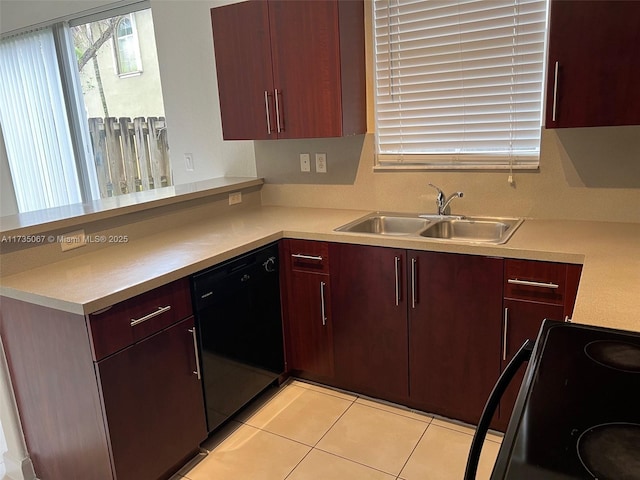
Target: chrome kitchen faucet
442, 202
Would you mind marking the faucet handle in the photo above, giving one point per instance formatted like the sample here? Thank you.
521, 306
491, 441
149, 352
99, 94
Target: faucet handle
440, 192
440, 199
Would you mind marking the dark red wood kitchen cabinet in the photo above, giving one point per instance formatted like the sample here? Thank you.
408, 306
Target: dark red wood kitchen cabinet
153, 403
307, 318
290, 69
594, 64
115, 394
455, 305
533, 291
369, 307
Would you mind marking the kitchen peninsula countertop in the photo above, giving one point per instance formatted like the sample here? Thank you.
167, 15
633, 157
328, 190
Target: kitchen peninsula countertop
607, 294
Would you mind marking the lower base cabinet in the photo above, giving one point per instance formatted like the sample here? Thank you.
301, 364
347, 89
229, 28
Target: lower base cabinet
417, 328
455, 307
370, 320
522, 321
153, 403
113, 395
307, 318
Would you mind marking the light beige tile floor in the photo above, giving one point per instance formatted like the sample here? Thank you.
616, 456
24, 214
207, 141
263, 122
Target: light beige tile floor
307, 432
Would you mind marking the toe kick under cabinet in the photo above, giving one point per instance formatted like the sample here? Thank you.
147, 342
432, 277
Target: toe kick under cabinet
110, 395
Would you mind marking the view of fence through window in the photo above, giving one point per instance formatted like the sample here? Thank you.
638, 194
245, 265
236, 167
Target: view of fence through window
120, 79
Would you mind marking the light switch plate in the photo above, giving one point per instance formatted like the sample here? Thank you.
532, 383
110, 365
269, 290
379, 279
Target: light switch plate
188, 162
235, 198
71, 240
305, 162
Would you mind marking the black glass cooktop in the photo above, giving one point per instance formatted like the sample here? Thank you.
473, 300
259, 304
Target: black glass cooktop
579, 415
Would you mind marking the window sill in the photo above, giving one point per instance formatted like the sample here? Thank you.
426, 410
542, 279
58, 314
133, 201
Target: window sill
476, 168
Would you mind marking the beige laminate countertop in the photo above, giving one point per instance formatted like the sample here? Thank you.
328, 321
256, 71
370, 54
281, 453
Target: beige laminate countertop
607, 295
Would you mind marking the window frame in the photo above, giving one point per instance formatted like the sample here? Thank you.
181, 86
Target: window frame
134, 41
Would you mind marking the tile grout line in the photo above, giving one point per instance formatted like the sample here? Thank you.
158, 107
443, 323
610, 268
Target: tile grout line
413, 449
313, 447
428, 418
354, 402
486, 439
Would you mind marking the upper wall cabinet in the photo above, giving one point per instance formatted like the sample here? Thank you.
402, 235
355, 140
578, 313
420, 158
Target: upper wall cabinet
594, 64
290, 69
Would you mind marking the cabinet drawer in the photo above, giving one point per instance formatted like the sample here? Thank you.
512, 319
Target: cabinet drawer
534, 280
132, 320
308, 256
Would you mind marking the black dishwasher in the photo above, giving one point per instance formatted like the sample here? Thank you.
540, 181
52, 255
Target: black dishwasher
238, 316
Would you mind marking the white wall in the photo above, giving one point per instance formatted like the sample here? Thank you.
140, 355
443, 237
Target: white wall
189, 86
188, 73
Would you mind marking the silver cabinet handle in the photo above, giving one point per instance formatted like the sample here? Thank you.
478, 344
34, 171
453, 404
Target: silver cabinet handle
192, 331
278, 125
322, 308
266, 109
161, 310
397, 266
555, 92
529, 283
505, 325
307, 257
414, 265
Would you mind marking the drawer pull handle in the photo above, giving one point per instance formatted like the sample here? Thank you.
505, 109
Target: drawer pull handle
317, 258
137, 321
529, 283
192, 331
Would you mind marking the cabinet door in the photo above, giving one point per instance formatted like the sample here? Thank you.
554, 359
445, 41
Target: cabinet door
595, 44
243, 67
309, 324
305, 42
153, 403
455, 306
370, 320
521, 321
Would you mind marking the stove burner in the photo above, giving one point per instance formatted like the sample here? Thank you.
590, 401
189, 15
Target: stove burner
617, 355
610, 451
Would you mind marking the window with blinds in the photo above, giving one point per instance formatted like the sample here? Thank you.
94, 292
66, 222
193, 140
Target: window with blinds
458, 84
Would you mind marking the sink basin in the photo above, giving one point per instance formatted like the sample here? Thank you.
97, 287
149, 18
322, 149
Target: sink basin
493, 230
474, 229
387, 224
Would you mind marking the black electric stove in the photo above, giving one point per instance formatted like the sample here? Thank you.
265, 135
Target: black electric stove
578, 411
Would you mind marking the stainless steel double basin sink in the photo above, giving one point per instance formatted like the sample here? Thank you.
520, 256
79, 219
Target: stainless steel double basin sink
491, 230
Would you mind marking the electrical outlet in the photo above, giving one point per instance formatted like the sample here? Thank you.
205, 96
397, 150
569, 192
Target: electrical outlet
321, 162
305, 162
235, 198
71, 240
188, 161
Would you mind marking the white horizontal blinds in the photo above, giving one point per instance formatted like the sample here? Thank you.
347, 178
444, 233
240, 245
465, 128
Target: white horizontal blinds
459, 82
34, 123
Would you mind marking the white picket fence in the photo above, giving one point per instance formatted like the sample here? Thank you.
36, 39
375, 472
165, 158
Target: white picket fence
130, 156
